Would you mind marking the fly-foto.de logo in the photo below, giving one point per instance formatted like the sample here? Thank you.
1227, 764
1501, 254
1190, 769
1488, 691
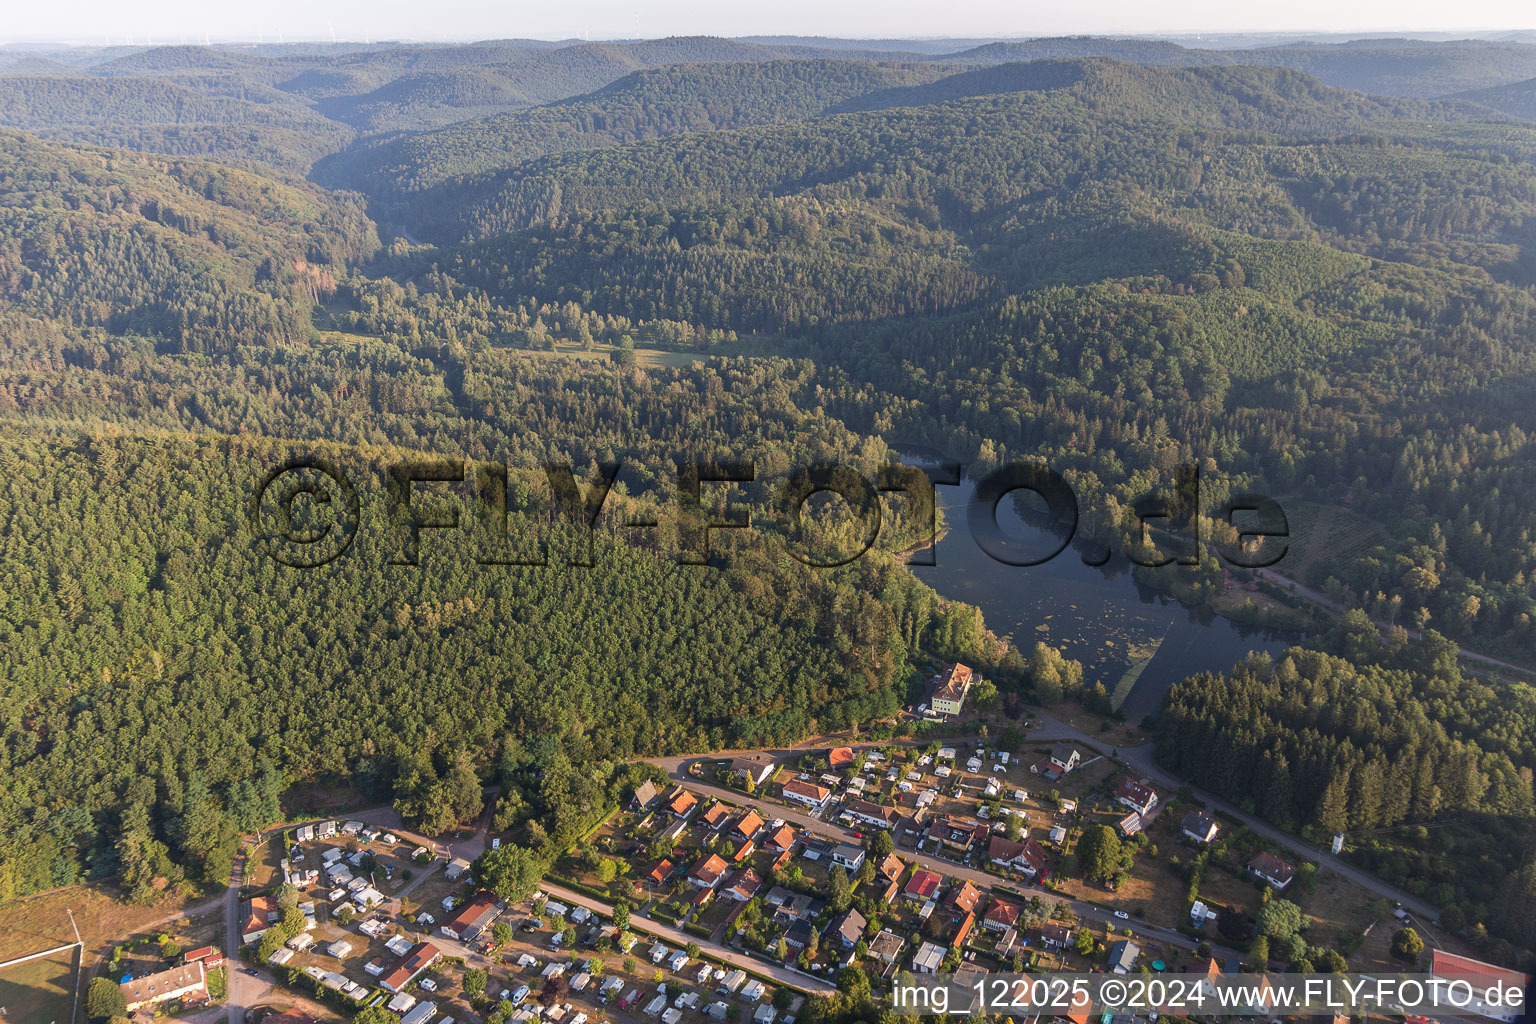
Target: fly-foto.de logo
307, 512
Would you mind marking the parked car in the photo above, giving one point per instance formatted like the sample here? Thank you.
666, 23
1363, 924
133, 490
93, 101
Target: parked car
1122, 915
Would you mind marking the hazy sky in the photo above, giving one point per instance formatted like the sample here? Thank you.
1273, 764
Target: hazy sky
181, 20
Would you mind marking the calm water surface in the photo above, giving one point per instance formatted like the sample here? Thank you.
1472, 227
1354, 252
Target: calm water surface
1098, 615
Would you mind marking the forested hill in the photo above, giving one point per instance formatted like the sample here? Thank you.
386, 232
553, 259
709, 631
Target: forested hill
299, 103
1389, 67
441, 95
1033, 127
160, 116
1141, 274
1265, 99
1368, 744
1516, 100
644, 105
203, 255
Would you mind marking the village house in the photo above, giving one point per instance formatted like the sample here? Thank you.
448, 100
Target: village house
848, 856
422, 956
256, 916
810, 795
781, 839
792, 906
957, 834
187, 983
1137, 794
963, 897
715, 815
646, 795
659, 874
928, 958
892, 868
950, 690
799, 935
1001, 916
752, 769
1272, 870
707, 872
747, 827
963, 930
887, 946
472, 918
1054, 936
209, 956
922, 886
682, 803
744, 885
1122, 956
1026, 857
1062, 760
909, 829
871, 814
1199, 826
849, 928
840, 757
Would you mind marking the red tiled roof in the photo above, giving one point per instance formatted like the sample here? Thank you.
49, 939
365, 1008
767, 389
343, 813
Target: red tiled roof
965, 896
840, 756
964, 930
1272, 866
417, 960
1448, 964
1029, 851
708, 869
477, 911
747, 883
923, 883
953, 684
783, 838
1134, 791
1002, 912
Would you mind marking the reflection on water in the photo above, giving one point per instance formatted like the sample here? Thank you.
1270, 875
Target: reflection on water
1131, 639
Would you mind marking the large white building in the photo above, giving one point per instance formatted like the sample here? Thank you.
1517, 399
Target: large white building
187, 982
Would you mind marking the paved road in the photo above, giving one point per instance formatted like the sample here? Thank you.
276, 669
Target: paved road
1328, 604
1141, 760
640, 923
245, 991
676, 767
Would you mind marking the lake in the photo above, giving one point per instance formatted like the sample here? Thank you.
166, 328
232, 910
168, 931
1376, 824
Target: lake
1128, 637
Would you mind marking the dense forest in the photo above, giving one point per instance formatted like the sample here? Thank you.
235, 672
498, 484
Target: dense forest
1379, 745
1123, 257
